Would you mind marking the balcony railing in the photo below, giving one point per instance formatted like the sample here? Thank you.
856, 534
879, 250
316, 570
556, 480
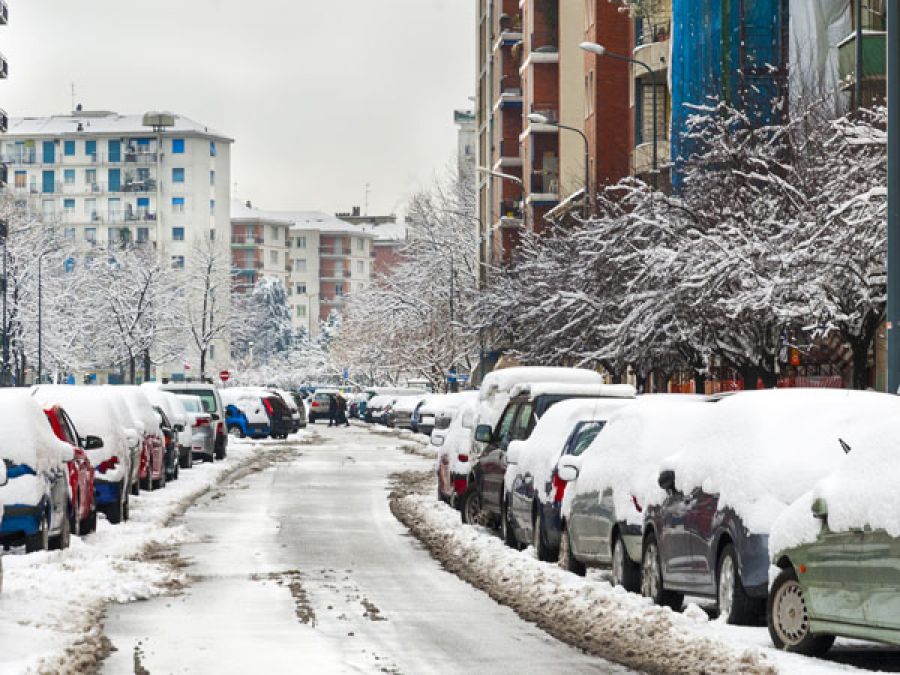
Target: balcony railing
551, 115
247, 239
148, 185
327, 251
649, 30
544, 183
140, 157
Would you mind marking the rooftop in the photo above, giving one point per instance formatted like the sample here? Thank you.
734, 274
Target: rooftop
101, 122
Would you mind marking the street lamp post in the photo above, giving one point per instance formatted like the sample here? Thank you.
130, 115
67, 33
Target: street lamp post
537, 118
40, 354
600, 50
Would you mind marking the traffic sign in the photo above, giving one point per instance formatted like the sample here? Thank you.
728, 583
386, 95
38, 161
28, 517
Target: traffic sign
224, 376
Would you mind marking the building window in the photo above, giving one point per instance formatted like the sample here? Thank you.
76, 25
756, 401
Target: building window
69, 234
212, 178
300, 265
69, 176
360, 244
177, 146
143, 205
115, 180
90, 208
143, 235
212, 149
644, 113
212, 235
177, 175
301, 311
90, 177
301, 289
301, 242
49, 152
69, 148
69, 205
90, 235
177, 234
178, 204
211, 352
212, 207
48, 182
273, 256
360, 266
115, 150
339, 289
90, 149
21, 180
178, 262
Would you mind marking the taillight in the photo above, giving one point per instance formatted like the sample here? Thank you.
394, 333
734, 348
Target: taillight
559, 488
637, 504
201, 422
220, 428
110, 463
463, 458
268, 405
314, 404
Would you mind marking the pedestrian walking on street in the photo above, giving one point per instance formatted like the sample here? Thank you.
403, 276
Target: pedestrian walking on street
333, 410
342, 411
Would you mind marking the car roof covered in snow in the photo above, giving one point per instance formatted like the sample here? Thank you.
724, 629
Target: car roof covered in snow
504, 380
533, 390
92, 412
26, 436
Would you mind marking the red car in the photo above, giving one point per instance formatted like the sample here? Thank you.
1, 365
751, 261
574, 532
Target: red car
83, 519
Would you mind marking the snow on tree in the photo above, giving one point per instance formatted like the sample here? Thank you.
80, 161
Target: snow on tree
209, 312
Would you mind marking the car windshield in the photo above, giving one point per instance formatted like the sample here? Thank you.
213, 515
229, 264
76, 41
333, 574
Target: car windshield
585, 435
207, 398
190, 404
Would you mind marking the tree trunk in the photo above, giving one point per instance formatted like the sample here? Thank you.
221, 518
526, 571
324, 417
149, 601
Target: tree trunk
750, 375
860, 349
203, 365
147, 365
132, 362
699, 383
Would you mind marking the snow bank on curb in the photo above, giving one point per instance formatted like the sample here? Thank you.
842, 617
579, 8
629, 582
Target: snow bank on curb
586, 613
52, 602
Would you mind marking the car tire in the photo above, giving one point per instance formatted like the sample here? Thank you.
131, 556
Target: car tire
219, 453
652, 579
147, 483
470, 509
735, 606
625, 572
506, 527
541, 550
160, 482
186, 460
89, 524
787, 617
136, 487
40, 540
567, 559
64, 538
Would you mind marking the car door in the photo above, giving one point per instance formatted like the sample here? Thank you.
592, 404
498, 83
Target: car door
878, 577
85, 469
699, 519
493, 464
833, 576
588, 508
674, 540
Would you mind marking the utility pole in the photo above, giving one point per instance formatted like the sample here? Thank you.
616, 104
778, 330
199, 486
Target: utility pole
893, 238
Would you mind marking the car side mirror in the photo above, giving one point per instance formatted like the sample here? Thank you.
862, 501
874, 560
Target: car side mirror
93, 442
215, 416
820, 509
484, 433
568, 468
667, 481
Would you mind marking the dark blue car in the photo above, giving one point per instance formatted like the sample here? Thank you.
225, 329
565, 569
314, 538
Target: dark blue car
240, 425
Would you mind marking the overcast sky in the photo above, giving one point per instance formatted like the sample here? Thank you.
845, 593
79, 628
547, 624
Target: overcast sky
321, 96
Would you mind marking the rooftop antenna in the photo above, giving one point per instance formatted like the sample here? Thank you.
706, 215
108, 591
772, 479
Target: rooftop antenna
368, 191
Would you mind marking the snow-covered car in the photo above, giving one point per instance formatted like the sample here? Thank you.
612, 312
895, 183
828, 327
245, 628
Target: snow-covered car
178, 424
426, 415
298, 412
170, 442
245, 413
320, 404
403, 410
707, 525
379, 407
83, 517
146, 421
838, 547
35, 497
203, 438
140, 454
452, 444
528, 402
94, 415
212, 403
601, 516
531, 512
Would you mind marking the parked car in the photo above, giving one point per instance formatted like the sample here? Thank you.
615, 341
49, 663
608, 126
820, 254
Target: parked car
153, 474
425, 415
179, 453
320, 405
603, 484
83, 518
837, 547
379, 407
212, 404
245, 414
140, 453
281, 419
35, 497
706, 531
484, 497
298, 412
203, 437
402, 412
452, 442
531, 508
170, 441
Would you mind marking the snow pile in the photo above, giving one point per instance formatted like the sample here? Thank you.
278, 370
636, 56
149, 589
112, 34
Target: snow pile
539, 454
26, 436
52, 602
860, 493
627, 454
93, 414
761, 450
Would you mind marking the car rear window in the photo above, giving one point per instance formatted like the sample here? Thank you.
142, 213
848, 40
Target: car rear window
207, 398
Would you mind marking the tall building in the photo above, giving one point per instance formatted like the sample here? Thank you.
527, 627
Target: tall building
467, 137
259, 246
390, 236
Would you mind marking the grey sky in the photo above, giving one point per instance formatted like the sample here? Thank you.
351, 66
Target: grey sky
321, 96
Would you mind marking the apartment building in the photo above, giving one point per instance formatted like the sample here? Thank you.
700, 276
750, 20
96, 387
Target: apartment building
390, 236
109, 178
866, 44
259, 246
467, 136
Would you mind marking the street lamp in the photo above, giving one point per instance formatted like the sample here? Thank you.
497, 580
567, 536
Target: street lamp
537, 118
40, 355
600, 50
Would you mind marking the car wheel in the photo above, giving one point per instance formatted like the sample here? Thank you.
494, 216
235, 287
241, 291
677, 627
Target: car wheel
136, 487
537, 538
506, 526
787, 616
652, 579
64, 538
40, 540
220, 453
735, 606
89, 524
470, 510
160, 482
186, 460
625, 572
147, 483
567, 559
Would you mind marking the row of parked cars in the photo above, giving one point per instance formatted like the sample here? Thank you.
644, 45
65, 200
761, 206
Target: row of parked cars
680, 495
263, 412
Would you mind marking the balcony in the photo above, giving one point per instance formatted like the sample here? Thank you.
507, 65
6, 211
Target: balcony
874, 58
140, 157
334, 275
140, 215
544, 187
246, 240
510, 96
509, 155
148, 185
508, 30
652, 29
327, 252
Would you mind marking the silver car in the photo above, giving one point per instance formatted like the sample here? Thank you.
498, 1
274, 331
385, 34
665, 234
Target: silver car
203, 436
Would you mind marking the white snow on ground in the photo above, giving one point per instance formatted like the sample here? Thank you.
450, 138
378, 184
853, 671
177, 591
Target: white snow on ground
593, 612
51, 601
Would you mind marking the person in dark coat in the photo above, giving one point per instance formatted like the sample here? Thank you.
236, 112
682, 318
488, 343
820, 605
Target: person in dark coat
333, 418
342, 411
